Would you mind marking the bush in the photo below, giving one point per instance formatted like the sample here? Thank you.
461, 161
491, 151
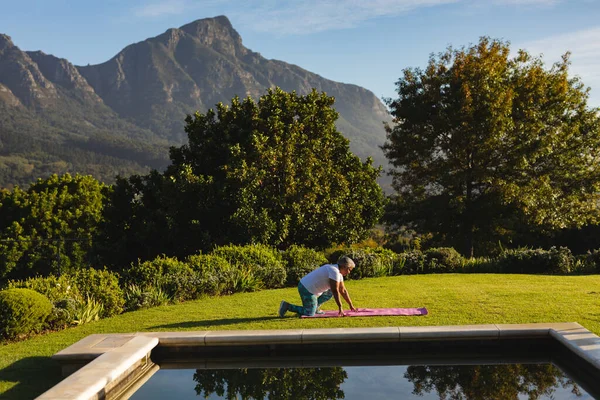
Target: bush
412, 262
88, 310
22, 311
592, 261
300, 261
54, 288
101, 286
442, 259
214, 272
368, 262
481, 265
137, 297
536, 261
63, 313
264, 262
181, 283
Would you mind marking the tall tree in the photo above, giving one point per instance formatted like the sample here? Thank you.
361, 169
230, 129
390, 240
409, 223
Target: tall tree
281, 172
275, 172
484, 142
49, 228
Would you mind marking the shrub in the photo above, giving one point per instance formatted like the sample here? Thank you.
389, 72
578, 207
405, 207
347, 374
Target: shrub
22, 311
147, 273
481, 265
413, 262
300, 261
137, 297
368, 262
264, 262
536, 261
101, 286
442, 259
54, 288
181, 284
87, 311
592, 261
333, 254
214, 272
63, 313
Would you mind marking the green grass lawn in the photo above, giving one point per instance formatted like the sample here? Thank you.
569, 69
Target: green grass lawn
26, 369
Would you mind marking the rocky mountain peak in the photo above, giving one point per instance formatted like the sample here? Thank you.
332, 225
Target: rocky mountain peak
62, 72
5, 42
217, 33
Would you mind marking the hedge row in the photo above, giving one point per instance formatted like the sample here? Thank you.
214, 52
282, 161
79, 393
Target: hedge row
90, 294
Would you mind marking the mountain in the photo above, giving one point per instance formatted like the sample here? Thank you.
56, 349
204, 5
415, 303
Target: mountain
134, 105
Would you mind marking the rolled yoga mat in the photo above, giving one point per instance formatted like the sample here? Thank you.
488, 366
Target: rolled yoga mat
371, 312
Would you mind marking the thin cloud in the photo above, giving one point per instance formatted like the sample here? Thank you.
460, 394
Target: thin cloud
312, 16
167, 7
528, 2
584, 46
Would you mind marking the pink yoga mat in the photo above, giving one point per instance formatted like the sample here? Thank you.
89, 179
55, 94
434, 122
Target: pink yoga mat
371, 312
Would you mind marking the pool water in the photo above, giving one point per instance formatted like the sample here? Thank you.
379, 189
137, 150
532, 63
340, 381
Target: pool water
452, 382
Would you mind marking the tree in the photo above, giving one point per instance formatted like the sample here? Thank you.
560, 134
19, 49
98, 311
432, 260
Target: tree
49, 228
509, 381
484, 143
272, 383
279, 172
146, 216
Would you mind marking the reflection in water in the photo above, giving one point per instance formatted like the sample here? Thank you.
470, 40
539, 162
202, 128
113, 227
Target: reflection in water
490, 381
446, 382
274, 384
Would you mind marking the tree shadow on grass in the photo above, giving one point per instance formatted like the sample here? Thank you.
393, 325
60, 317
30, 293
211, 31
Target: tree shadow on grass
33, 376
214, 322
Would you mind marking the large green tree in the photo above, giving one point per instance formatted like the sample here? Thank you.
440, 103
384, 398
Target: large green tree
281, 172
275, 172
49, 228
485, 143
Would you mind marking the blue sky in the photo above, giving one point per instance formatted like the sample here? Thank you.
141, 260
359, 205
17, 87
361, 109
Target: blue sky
364, 42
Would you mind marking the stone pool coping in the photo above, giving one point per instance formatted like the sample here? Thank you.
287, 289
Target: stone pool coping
107, 358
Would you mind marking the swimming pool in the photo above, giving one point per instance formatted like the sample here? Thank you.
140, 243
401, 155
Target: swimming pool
122, 362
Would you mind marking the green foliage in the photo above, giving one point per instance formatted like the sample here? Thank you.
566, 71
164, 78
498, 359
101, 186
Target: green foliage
487, 145
93, 142
22, 311
87, 311
62, 291
215, 273
271, 383
264, 262
137, 297
152, 215
442, 259
412, 262
181, 282
64, 313
278, 172
536, 261
102, 287
481, 265
368, 262
299, 261
48, 229
510, 381
178, 280
55, 288
147, 273
586, 264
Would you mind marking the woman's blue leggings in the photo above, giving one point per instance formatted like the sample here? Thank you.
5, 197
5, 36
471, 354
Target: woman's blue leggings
310, 302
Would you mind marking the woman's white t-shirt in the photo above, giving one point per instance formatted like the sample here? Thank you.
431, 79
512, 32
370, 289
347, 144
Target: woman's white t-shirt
317, 281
